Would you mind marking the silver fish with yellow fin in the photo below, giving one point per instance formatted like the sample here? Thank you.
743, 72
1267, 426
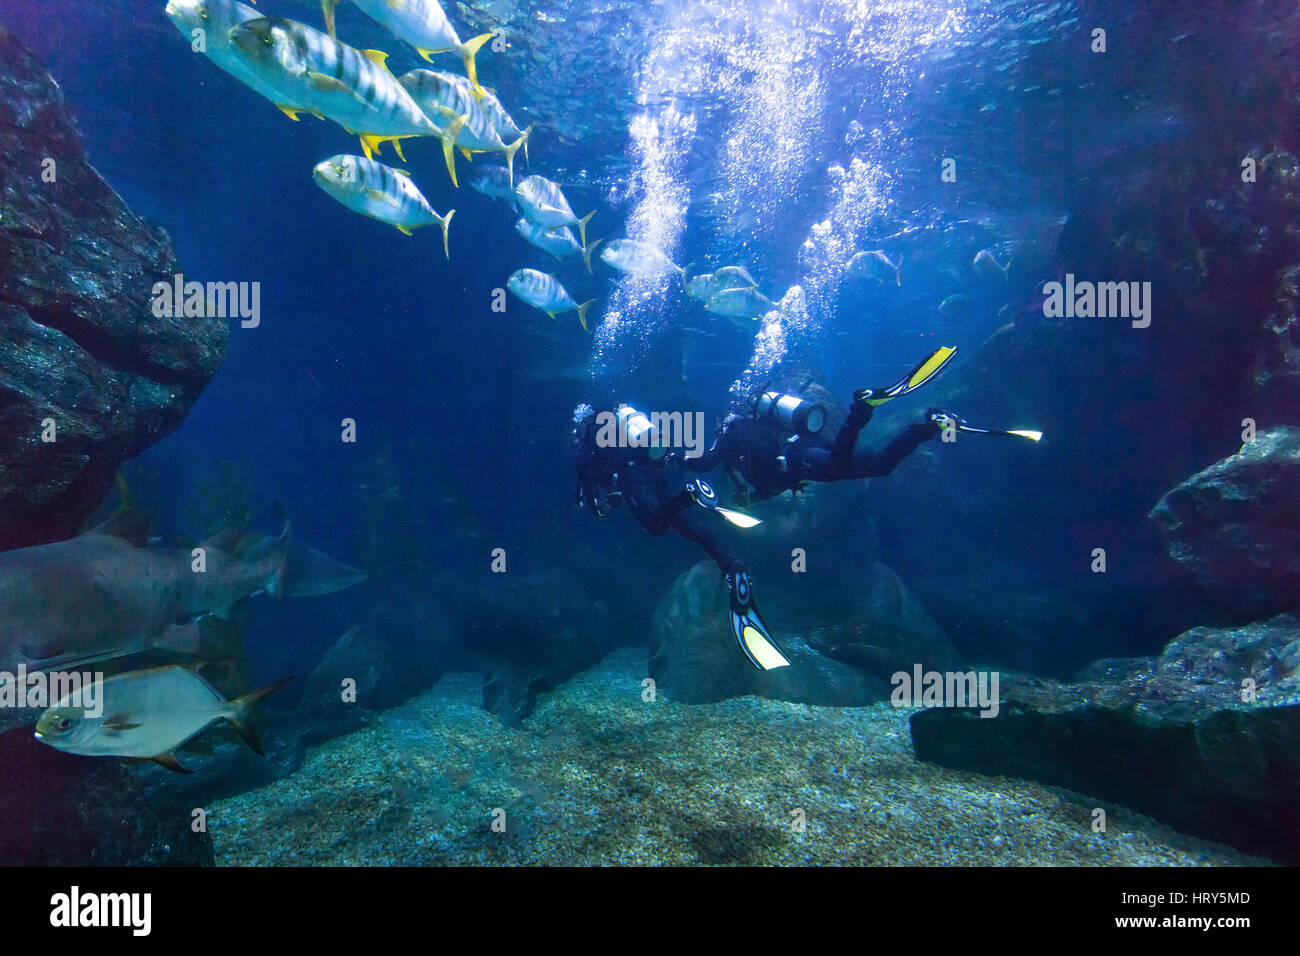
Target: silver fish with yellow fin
543, 291
215, 19
559, 241
147, 715
421, 23
380, 192
351, 87
443, 96
639, 259
543, 202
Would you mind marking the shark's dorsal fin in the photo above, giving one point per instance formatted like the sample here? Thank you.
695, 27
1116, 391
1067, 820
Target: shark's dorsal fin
130, 524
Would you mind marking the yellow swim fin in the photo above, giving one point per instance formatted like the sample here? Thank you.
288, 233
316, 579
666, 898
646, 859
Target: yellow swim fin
926, 370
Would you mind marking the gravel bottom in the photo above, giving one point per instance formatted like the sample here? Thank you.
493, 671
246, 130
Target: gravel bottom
598, 776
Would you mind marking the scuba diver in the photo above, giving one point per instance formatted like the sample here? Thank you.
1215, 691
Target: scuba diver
613, 472
779, 446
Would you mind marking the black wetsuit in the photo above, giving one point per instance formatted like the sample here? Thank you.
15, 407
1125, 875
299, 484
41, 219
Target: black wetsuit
643, 484
752, 450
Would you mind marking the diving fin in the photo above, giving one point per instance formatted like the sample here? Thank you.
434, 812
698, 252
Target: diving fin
914, 379
748, 629
946, 420
702, 494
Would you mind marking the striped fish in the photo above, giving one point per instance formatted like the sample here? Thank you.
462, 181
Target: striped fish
559, 241
351, 87
639, 259
544, 203
544, 292
421, 23
380, 192
216, 18
494, 181
505, 125
445, 95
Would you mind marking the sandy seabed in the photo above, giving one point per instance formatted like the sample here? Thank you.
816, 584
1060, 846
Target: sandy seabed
598, 776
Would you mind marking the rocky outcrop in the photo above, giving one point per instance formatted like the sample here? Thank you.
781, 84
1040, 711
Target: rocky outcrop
695, 658
58, 809
402, 646
79, 344
1205, 737
1235, 527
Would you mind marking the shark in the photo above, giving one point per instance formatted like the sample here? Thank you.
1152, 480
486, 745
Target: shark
112, 592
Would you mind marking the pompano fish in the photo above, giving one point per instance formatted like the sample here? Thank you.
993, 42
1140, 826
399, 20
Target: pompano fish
351, 87
745, 303
147, 715
543, 202
443, 96
639, 259
875, 265
216, 18
987, 266
494, 181
559, 241
544, 292
105, 594
706, 285
380, 192
421, 23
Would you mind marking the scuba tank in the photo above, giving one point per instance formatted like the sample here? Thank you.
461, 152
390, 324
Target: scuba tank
640, 431
790, 412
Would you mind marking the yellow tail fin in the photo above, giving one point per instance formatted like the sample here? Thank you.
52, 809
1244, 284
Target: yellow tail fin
510, 153
587, 251
582, 226
448, 142
445, 221
582, 313
468, 50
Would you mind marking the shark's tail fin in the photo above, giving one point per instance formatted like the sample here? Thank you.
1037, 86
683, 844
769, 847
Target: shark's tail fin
309, 573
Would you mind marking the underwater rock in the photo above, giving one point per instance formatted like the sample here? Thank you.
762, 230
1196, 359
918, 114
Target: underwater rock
401, 647
1179, 737
695, 658
57, 809
890, 632
1234, 526
529, 632
79, 343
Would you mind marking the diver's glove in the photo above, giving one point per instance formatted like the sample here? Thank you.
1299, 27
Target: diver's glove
702, 494
748, 629
929, 367
944, 420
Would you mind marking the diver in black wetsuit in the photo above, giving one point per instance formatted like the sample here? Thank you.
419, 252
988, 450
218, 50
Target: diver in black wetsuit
779, 446
608, 476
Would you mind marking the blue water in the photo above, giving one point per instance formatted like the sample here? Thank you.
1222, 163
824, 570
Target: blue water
784, 137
